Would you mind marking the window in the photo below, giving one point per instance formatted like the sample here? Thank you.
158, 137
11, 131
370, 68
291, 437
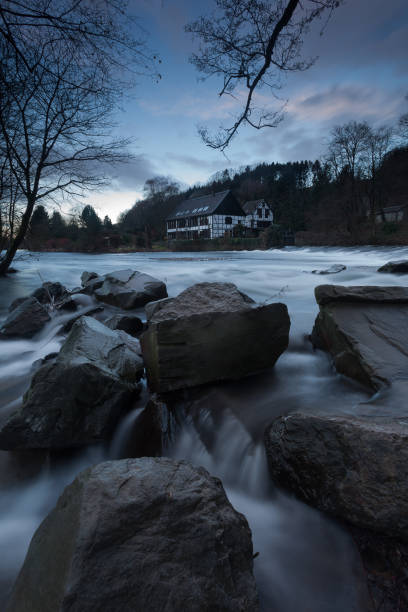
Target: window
172, 224
259, 211
228, 220
266, 213
203, 220
182, 223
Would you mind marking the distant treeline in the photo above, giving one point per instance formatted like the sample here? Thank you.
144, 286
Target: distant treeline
342, 199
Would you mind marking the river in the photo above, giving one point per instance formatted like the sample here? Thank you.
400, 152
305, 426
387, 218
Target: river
306, 562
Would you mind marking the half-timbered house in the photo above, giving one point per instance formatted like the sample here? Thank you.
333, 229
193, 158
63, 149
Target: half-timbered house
258, 214
208, 216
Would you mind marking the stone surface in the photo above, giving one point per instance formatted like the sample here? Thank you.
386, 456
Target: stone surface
395, 267
129, 289
50, 293
365, 330
25, 320
131, 324
78, 397
88, 276
334, 269
153, 430
211, 332
87, 312
139, 535
353, 468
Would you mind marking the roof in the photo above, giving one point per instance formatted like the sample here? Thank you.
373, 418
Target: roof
251, 206
390, 209
203, 205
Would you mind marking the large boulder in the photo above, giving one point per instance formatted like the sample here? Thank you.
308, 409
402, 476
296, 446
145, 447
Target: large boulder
365, 330
395, 267
78, 397
211, 332
26, 319
142, 534
126, 289
352, 467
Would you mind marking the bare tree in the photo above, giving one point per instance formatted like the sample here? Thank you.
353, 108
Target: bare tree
379, 142
355, 153
252, 43
62, 70
346, 152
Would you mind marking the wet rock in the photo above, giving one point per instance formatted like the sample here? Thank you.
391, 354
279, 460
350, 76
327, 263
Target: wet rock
129, 289
365, 330
153, 430
211, 332
87, 312
79, 397
17, 302
131, 324
91, 281
334, 269
88, 276
67, 304
51, 293
353, 468
395, 267
25, 320
385, 562
141, 534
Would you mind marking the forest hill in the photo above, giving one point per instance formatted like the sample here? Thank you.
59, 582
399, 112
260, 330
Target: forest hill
306, 198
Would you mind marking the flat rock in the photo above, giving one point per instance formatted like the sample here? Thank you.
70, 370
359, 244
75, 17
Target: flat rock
365, 330
353, 468
78, 398
334, 269
142, 534
128, 289
211, 332
395, 267
26, 319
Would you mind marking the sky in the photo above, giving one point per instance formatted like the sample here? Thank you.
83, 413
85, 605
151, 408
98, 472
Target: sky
360, 74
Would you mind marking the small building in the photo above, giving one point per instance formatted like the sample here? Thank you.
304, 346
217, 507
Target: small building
393, 214
208, 216
258, 213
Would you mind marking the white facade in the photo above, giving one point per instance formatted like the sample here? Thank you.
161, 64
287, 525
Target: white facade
260, 217
211, 226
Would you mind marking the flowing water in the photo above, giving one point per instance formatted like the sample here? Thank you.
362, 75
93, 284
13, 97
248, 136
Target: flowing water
306, 562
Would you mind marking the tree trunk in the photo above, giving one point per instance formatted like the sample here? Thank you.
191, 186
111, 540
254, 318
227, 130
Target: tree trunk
15, 242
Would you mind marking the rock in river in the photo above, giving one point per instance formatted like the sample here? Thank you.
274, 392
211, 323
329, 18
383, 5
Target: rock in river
365, 329
395, 267
126, 289
139, 535
353, 467
334, 269
211, 332
26, 319
78, 397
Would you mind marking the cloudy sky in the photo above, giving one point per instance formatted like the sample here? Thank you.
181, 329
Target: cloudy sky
361, 73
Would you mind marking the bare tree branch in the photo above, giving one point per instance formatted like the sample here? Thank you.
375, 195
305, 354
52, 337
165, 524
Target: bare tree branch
252, 43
